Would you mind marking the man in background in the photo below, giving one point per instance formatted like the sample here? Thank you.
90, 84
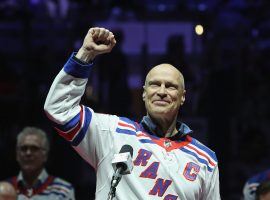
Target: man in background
33, 181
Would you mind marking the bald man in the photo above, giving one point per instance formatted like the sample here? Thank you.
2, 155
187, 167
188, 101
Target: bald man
167, 162
7, 191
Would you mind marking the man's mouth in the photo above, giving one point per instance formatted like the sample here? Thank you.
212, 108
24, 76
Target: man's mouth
27, 161
160, 102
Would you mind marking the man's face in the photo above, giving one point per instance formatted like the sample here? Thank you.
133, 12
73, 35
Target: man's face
163, 92
31, 154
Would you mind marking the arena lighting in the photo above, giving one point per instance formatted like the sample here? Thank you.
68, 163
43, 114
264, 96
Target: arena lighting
199, 29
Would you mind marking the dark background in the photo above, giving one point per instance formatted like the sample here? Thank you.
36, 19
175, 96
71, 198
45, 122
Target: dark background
226, 70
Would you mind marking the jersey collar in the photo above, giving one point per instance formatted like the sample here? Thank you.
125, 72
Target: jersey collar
152, 128
41, 178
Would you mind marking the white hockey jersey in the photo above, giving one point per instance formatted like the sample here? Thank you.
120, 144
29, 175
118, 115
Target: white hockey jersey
164, 168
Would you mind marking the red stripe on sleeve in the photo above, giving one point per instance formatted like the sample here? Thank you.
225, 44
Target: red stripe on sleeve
69, 135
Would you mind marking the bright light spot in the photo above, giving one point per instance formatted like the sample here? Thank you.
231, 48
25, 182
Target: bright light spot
199, 29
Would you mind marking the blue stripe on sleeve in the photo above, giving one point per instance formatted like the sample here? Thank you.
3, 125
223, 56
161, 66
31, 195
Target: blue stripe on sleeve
76, 69
198, 158
81, 134
69, 125
53, 192
70, 187
205, 149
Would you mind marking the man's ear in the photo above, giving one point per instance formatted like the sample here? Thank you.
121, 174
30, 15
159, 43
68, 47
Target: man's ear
17, 156
46, 156
183, 98
143, 94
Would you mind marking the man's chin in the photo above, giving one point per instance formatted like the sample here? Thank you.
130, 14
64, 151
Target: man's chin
28, 168
160, 114
161, 111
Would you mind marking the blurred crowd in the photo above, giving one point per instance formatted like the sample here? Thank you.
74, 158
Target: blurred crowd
227, 79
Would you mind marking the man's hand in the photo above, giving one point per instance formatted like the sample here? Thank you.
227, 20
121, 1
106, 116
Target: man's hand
97, 41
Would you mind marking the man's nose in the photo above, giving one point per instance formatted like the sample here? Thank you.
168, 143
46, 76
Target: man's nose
162, 91
28, 151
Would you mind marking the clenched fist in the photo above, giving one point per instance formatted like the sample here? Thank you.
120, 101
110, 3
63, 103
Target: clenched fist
97, 41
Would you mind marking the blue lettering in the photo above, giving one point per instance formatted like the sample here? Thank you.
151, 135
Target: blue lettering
151, 171
160, 187
142, 157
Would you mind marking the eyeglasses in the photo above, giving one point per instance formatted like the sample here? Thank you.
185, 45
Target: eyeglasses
32, 148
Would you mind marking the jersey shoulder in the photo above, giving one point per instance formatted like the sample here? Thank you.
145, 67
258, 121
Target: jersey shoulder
204, 148
201, 152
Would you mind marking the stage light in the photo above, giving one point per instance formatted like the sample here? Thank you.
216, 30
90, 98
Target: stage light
199, 29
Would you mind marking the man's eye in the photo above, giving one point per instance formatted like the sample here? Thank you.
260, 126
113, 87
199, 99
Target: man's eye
172, 88
32, 148
154, 84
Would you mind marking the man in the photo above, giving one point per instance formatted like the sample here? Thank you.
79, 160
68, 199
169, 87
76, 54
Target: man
168, 163
250, 187
7, 191
33, 181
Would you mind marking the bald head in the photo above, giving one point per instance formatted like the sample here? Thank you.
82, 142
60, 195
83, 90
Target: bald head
166, 68
7, 191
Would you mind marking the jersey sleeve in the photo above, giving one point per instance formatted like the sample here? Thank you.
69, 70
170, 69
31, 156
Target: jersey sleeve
62, 188
72, 194
212, 191
87, 131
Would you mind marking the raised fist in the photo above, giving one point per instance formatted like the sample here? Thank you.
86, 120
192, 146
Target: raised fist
97, 41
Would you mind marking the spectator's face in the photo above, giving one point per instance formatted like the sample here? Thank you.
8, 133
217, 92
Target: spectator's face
31, 154
163, 92
265, 196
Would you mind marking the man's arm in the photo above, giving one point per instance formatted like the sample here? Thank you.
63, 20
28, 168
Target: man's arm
62, 102
62, 106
